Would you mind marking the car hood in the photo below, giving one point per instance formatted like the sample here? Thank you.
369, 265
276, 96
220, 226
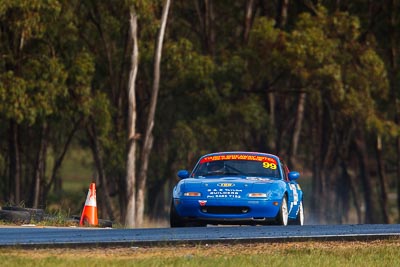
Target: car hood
235, 181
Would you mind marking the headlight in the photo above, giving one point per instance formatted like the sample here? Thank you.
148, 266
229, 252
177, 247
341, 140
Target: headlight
258, 195
192, 194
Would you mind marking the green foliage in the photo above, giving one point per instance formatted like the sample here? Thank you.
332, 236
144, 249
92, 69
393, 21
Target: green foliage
326, 56
185, 67
66, 64
12, 96
265, 51
100, 111
30, 18
80, 76
46, 83
35, 94
310, 52
32, 79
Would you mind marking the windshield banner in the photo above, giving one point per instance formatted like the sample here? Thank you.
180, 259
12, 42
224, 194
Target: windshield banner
238, 157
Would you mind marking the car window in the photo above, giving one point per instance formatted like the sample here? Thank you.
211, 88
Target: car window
285, 170
237, 168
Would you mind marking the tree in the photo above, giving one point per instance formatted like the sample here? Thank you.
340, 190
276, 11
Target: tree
130, 215
31, 84
289, 77
148, 137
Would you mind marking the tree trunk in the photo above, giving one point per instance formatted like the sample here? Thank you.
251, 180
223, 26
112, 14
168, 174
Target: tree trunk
322, 156
207, 19
282, 13
398, 173
382, 180
371, 214
58, 162
316, 187
162, 189
210, 32
296, 130
14, 168
281, 23
272, 141
95, 147
96, 18
348, 183
393, 73
248, 20
130, 213
324, 151
40, 166
148, 138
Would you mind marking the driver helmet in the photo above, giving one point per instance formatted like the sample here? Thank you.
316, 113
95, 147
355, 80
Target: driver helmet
215, 166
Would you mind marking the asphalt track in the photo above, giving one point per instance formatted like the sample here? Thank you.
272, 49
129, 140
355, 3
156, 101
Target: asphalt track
35, 237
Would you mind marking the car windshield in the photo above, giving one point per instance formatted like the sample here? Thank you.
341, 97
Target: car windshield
248, 168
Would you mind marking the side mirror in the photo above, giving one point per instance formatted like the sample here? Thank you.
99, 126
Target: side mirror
183, 174
294, 175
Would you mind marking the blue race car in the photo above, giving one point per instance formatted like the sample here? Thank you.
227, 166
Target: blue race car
237, 188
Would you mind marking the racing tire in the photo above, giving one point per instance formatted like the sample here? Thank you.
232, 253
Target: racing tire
105, 223
283, 215
36, 215
300, 215
15, 216
174, 219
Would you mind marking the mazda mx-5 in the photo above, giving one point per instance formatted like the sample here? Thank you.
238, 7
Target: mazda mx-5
237, 188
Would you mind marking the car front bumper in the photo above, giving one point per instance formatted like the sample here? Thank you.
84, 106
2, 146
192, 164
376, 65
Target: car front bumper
226, 211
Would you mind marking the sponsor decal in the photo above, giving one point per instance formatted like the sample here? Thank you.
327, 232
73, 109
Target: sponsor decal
259, 179
295, 194
269, 165
238, 157
224, 193
225, 184
202, 202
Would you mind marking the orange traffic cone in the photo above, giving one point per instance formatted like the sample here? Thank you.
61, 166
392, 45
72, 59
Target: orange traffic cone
89, 213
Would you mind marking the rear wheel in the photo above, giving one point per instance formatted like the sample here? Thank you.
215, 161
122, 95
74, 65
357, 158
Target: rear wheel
300, 215
283, 214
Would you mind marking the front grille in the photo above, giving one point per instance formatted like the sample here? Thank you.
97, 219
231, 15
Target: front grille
225, 210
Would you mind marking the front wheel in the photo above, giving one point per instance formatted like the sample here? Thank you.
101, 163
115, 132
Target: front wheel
283, 214
174, 219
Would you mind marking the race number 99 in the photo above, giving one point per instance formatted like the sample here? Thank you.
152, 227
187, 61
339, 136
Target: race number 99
269, 165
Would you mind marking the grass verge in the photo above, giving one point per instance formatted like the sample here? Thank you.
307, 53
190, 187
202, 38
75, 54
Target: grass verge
376, 253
